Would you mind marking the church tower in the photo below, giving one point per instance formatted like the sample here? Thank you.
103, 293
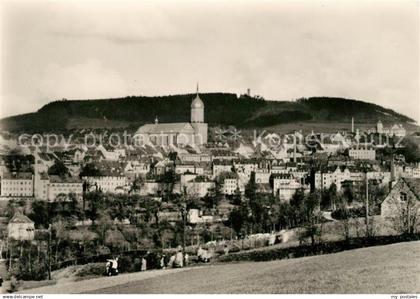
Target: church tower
197, 109
197, 120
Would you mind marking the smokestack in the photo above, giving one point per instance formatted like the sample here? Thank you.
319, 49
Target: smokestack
352, 124
294, 148
248, 92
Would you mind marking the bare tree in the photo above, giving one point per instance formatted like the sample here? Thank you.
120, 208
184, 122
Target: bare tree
406, 214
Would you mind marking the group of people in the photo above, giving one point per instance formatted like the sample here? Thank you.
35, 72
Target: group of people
111, 267
176, 260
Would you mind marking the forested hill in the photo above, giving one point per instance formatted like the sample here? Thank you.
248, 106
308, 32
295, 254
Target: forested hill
220, 109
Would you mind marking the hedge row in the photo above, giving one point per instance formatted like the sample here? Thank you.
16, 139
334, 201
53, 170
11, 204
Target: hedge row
317, 249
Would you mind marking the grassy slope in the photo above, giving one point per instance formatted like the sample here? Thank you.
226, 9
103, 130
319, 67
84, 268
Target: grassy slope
383, 269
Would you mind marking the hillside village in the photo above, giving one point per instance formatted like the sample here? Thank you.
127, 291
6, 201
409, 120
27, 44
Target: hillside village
167, 191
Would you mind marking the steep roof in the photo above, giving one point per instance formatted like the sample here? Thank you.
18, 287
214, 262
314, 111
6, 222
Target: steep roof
58, 179
166, 128
46, 156
17, 176
282, 176
20, 218
414, 185
197, 103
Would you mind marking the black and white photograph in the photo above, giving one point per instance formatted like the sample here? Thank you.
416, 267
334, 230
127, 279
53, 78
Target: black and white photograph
209, 147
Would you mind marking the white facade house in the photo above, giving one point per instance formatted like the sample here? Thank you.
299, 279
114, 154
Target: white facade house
109, 184
262, 176
17, 185
285, 186
398, 130
137, 168
323, 180
64, 186
229, 186
194, 157
221, 168
41, 182
245, 168
21, 228
362, 154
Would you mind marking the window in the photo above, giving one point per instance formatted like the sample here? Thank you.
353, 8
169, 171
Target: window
403, 196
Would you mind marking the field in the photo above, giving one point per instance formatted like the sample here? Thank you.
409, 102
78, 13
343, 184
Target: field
382, 269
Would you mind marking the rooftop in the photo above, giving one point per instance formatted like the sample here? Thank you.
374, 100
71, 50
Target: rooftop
17, 176
20, 218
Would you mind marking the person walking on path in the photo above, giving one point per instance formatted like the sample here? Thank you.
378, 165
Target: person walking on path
162, 262
143, 264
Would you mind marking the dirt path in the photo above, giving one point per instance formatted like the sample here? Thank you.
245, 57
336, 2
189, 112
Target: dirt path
93, 284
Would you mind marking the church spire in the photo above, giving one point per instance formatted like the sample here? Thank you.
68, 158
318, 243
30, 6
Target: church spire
197, 89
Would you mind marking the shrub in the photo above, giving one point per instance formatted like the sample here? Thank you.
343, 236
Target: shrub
94, 269
14, 285
125, 264
308, 250
341, 214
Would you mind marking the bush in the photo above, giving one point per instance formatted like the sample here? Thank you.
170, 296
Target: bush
22, 270
341, 214
94, 269
137, 264
125, 264
309, 250
14, 285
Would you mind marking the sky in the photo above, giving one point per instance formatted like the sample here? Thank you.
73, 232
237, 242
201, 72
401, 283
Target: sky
281, 50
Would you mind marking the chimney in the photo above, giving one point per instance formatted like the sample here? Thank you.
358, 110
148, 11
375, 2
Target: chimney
294, 148
352, 124
156, 120
248, 92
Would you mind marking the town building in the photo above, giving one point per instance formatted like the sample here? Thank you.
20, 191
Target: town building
220, 167
230, 185
189, 168
199, 186
20, 228
41, 182
362, 153
17, 184
137, 168
165, 134
262, 176
107, 183
245, 169
323, 180
194, 157
397, 130
405, 194
64, 186
285, 186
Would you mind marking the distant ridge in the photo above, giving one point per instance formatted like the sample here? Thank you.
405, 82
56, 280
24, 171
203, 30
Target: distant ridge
220, 109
